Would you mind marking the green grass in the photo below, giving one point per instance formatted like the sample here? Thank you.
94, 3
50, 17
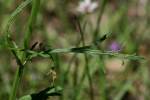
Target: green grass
76, 45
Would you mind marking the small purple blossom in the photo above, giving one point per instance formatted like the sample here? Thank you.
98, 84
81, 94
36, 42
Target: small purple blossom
115, 46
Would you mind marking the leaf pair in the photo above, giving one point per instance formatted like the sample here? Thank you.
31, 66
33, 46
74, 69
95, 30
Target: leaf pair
44, 94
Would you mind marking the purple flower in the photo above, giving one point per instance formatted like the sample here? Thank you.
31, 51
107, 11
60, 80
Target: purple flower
114, 46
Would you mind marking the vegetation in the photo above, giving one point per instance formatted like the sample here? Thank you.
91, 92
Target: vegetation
74, 50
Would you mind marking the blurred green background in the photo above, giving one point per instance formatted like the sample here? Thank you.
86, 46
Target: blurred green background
127, 22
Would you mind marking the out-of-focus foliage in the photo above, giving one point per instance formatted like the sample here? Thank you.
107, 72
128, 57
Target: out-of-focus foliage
126, 21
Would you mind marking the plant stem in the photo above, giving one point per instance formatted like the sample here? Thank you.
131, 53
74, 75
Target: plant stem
101, 66
18, 77
87, 70
21, 61
31, 21
102, 8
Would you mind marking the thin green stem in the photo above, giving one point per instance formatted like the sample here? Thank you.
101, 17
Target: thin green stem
101, 67
32, 19
102, 79
87, 70
102, 8
21, 61
19, 72
16, 82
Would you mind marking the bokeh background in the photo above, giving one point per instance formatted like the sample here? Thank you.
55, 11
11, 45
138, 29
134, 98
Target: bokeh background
126, 21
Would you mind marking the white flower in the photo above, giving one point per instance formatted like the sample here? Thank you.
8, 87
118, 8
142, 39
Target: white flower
87, 6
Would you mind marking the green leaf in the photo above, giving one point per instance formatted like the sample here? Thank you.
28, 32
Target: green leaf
89, 50
27, 97
44, 94
44, 55
15, 13
84, 49
58, 89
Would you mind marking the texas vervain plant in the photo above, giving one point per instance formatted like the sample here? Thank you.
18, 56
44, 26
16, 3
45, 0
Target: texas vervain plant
26, 53
21, 60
